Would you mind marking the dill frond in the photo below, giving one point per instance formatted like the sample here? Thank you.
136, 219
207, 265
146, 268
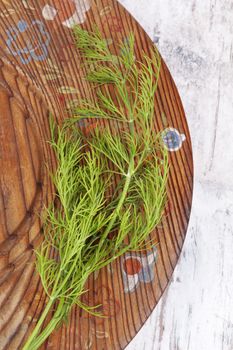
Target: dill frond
76, 233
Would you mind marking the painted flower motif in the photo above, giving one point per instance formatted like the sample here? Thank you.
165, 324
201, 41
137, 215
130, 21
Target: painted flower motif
172, 139
28, 47
136, 269
67, 12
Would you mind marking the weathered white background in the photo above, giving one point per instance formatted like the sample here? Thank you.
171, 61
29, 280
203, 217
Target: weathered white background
195, 38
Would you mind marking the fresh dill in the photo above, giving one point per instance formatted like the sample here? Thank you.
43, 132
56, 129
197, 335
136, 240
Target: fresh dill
77, 232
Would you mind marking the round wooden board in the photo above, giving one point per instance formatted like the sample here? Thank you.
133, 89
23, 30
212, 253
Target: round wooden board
40, 71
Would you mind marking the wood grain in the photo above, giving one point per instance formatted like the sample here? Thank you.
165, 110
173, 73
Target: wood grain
46, 78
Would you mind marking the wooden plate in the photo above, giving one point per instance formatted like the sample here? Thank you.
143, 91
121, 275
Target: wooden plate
40, 72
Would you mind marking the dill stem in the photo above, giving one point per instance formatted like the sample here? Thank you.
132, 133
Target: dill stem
120, 203
67, 276
55, 320
122, 199
35, 342
125, 189
131, 127
131, 170
27, 345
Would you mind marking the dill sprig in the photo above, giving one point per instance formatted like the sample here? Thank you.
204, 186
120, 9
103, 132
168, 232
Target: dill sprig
79, 223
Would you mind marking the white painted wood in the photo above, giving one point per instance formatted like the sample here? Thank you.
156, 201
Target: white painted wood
195, 38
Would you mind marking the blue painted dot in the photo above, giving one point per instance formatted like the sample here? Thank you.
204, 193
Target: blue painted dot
22, 26
172, 139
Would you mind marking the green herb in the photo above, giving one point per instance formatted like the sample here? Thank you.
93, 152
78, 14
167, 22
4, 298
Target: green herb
77, 231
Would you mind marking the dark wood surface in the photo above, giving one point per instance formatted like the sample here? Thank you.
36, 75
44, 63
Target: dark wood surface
40, 72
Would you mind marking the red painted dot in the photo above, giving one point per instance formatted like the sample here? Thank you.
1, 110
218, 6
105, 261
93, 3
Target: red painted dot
132, 266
